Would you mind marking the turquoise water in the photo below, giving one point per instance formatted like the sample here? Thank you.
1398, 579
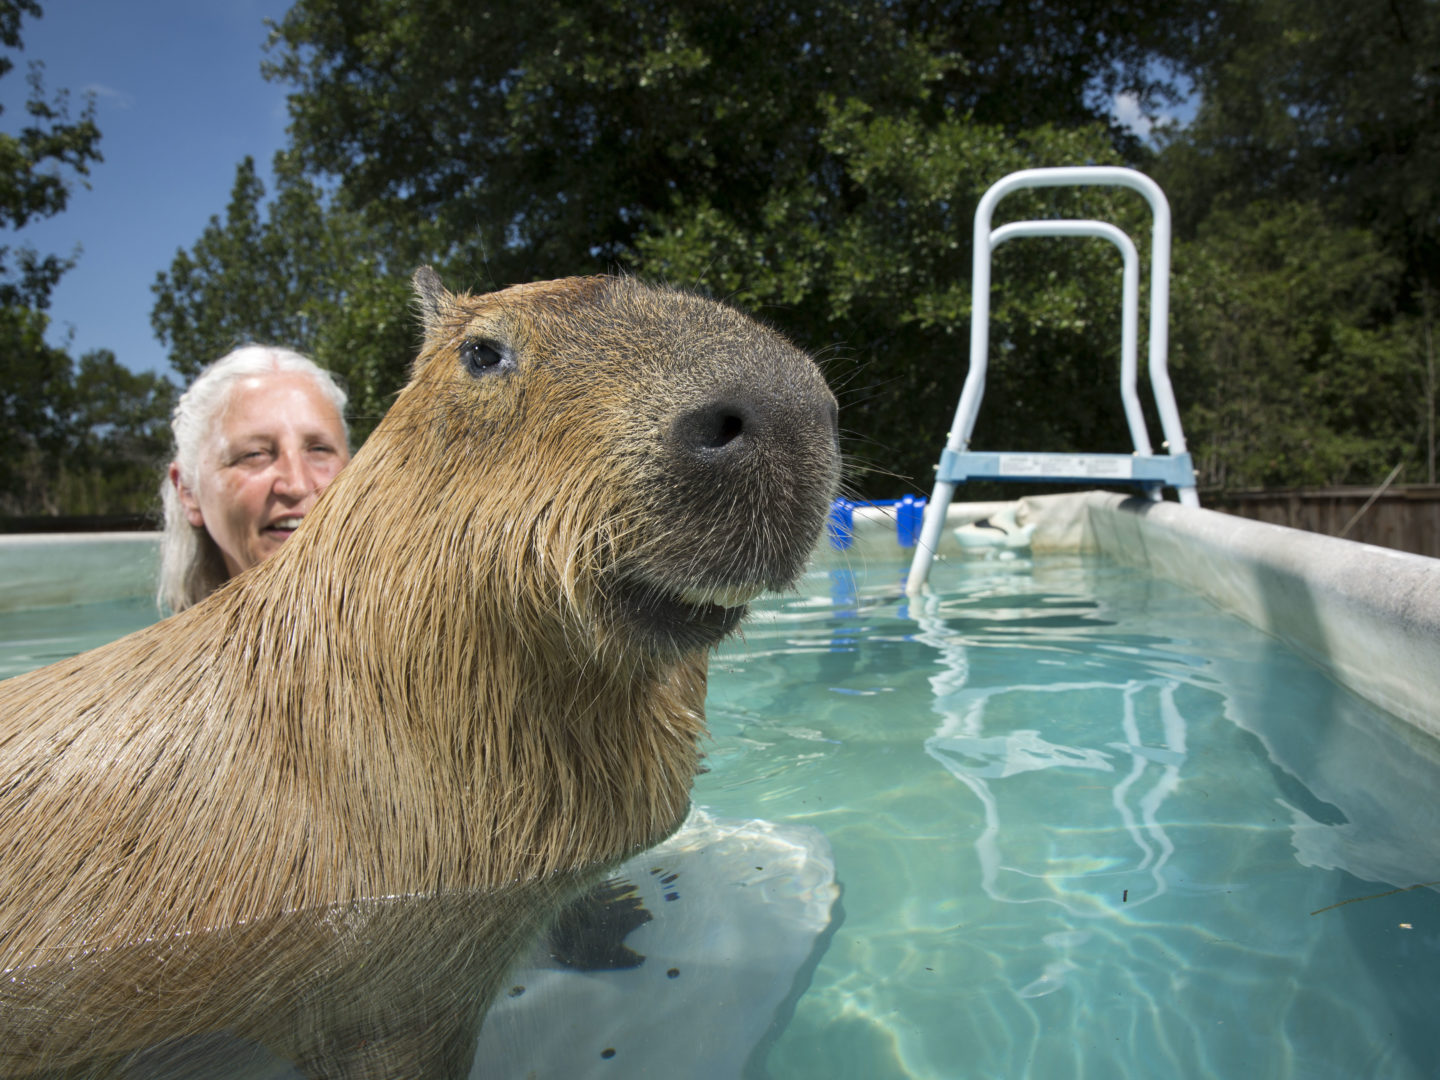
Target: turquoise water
31, 639
1083, 823
1086, 825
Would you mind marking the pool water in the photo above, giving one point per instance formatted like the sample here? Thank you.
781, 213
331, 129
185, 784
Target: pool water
31, 639
1083, 824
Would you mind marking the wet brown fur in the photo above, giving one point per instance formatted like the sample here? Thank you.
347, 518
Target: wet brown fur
427, 721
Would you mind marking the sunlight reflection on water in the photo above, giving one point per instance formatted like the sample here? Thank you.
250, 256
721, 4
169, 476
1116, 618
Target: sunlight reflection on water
1081, 819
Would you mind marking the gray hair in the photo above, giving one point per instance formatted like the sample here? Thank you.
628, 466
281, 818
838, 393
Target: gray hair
191, 565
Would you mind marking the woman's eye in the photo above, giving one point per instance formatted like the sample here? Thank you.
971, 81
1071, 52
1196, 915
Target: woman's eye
482, 357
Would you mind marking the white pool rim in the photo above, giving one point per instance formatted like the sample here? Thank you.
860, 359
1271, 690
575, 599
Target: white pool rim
1368, 615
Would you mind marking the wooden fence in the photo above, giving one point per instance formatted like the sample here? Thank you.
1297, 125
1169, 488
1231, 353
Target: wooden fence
1404, 516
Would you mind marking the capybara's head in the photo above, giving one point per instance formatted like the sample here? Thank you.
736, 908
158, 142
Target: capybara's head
636, 461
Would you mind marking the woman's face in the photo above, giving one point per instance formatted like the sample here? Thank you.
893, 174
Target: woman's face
276, 445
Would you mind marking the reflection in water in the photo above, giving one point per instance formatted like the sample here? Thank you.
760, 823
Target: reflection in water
1093, 866
978, 760
1078, 868
389, 987
741, 911
691, 953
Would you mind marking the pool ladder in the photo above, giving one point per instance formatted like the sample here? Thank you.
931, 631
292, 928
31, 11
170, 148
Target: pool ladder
1148, 471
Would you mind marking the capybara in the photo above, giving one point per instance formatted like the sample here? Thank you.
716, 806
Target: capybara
323, 810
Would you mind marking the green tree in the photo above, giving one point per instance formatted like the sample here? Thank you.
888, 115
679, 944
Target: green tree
1319, 100
117, 435
553, 129
301, 273
819, 162
1285, 351
34, 378
84, 439
39, 166
74, 439
235, 286
1334, 106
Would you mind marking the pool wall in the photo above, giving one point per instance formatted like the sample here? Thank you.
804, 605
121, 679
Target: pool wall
1368, 615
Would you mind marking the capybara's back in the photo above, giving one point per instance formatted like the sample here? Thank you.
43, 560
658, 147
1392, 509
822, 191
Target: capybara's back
325, 808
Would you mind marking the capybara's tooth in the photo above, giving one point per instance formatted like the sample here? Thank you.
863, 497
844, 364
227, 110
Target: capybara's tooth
363, 774
727, 596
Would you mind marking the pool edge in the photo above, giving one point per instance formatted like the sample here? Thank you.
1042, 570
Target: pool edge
40, 570
1368, 615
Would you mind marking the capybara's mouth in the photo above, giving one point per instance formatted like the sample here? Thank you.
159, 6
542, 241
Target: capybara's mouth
682, 619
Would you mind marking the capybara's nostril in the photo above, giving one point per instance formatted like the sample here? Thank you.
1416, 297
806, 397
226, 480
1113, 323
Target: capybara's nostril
714, 427
732, 425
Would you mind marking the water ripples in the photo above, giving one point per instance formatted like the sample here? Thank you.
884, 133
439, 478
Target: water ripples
1082, 819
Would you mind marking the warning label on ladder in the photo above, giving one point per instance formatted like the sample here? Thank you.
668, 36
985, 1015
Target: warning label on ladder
1090, 466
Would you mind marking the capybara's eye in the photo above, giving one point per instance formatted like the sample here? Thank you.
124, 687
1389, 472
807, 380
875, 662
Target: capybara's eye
482, 357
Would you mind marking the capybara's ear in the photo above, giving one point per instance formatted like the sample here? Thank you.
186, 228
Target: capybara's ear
432, 296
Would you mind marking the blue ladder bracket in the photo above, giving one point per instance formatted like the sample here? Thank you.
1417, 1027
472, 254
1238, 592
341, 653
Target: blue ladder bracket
1172, 470
909, 517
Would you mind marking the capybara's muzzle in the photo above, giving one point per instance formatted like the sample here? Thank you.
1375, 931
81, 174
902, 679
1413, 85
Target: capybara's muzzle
747, 472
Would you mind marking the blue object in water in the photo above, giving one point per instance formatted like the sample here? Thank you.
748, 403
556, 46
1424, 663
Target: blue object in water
840, 527
909, 516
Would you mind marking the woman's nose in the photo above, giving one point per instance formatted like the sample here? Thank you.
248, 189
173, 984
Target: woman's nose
295, 478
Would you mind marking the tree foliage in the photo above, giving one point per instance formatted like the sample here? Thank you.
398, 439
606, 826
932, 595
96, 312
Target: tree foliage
1320, 100
117, 436
73, 439
547, 134
1320, 115
1283, 352
820, 164
86, 438
39, 166
300, 273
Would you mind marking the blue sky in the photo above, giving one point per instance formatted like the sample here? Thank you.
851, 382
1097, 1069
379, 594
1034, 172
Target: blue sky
180, 101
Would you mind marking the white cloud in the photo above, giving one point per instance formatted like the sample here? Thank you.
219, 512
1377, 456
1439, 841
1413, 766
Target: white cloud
110, 95
1125, 108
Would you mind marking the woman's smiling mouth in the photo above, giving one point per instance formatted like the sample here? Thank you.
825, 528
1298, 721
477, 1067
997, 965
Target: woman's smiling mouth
283, 527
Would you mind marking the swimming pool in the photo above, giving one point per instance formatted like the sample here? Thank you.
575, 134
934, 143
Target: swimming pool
1086, 825
1059, 818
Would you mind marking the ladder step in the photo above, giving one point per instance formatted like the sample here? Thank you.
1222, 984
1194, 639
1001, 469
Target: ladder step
1173, 470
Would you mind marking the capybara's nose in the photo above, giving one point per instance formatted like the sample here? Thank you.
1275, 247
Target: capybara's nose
731, 429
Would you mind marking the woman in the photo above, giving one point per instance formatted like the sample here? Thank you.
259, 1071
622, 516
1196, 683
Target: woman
258, 436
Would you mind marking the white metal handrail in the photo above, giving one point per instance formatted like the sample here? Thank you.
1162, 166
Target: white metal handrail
1129, 304
973, 390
